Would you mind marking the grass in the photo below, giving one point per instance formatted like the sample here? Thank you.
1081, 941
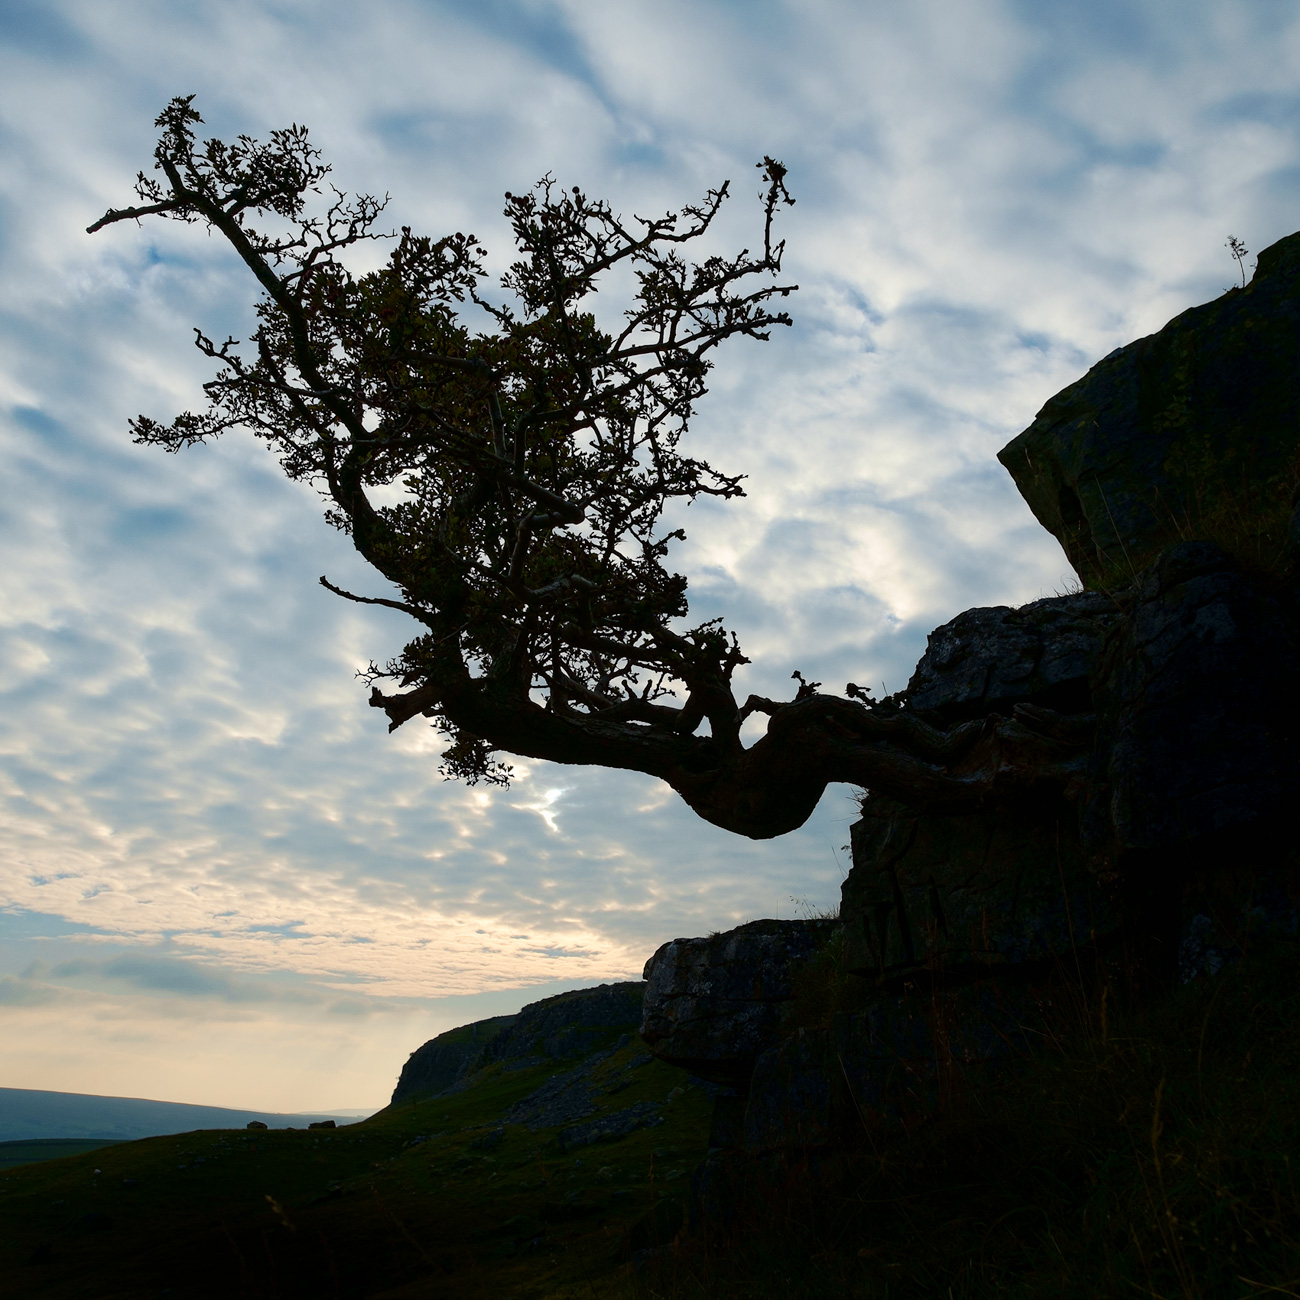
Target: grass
27, 1151
1139, 1153
364, 1210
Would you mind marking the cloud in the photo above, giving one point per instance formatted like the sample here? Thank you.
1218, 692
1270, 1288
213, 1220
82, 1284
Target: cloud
167, 975
17, 992
991, 196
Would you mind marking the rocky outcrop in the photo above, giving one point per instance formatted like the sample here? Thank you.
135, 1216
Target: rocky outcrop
1008, 884
445, 1062
1137, 749
1188, 813
567, 1026
712, 1005
969, 894
1152, 727
562, 1028
988, 660
1200, 708
1185, 435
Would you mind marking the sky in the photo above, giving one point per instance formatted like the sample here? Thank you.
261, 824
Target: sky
221, 880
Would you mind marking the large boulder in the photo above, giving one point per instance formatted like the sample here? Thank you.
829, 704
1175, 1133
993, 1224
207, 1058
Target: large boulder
713, 1004
1188, 434
1006, 884
893, 1061
1190, 810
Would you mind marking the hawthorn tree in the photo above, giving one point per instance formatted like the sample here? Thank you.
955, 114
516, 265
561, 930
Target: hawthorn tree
536, 456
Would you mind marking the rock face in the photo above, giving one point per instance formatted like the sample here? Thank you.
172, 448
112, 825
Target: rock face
988, 660
445, 1062
561, 1028
1189, 811
1199, 701
1008, 884
566, 1026
967, 894
1183, 434
712, 1005
815, 1087
1155, 850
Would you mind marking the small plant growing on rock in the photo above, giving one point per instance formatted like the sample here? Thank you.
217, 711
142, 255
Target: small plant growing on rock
1239, 250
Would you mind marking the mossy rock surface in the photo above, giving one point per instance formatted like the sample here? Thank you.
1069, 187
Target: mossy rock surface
1188, 434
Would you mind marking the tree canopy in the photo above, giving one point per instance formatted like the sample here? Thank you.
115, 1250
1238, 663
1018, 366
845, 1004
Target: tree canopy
535, 457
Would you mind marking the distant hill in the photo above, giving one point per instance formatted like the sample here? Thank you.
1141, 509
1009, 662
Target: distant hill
27, 1113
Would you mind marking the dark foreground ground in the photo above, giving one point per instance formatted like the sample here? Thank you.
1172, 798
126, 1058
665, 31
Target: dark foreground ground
429, 1199
1153, 1154
28, 1151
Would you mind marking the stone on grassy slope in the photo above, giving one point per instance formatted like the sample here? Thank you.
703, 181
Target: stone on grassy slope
1188, 434
610, 1128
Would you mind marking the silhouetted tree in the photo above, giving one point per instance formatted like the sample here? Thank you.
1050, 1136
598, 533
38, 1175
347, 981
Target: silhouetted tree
536, 457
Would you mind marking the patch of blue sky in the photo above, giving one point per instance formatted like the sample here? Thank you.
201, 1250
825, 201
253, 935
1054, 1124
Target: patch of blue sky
559, 954
540, 31
650, 155
1271, 107
1282, 187
1100, 29
284, 929
1035, 341
150, 524
179, 975
20, 924
35, 29
53, 433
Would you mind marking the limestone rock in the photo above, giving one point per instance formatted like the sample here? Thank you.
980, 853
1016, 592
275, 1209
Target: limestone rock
573, 1094
446, 1061
964, 894
611, 1127
568, 1025
560, 1028
821, 1087
790, 1102
712, 1005
1185, 434
1201, 714
987, 660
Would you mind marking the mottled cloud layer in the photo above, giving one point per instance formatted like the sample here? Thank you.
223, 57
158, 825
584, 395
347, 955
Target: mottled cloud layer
221, 880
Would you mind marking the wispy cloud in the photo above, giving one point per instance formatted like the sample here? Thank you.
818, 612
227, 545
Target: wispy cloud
991, 196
